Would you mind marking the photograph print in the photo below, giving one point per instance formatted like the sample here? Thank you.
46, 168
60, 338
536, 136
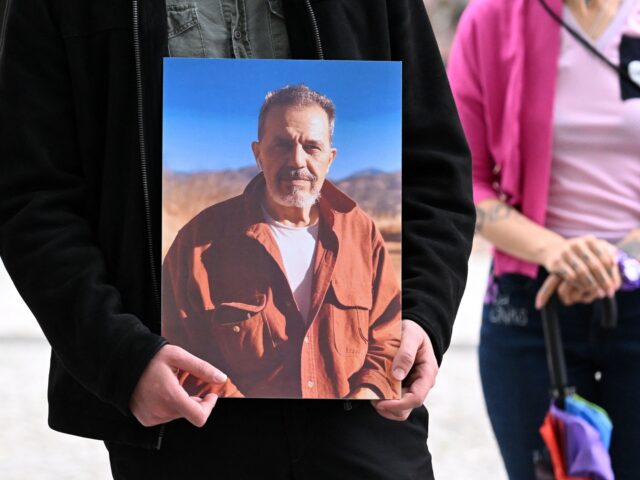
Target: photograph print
282, 224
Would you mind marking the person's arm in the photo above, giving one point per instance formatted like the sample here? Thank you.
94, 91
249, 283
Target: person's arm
585, 263
437, 209
47, 241
513, 233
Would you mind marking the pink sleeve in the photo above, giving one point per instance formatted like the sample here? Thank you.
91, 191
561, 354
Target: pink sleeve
466, 80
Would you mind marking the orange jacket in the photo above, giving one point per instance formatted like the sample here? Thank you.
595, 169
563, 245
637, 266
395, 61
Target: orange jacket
227, 300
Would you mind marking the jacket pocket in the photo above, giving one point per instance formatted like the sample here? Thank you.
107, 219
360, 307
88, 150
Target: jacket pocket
184, 31
349, 315
243, 337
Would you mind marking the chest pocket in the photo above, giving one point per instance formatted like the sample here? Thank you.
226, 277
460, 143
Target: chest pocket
350, 304
184, 31
243, 337
630, 62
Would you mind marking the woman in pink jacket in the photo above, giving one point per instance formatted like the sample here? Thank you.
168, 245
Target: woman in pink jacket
552, 116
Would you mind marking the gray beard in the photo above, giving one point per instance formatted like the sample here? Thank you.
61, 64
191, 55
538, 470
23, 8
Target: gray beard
298, 199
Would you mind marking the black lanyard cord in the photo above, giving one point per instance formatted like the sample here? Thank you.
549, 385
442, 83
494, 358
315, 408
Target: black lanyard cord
575, 34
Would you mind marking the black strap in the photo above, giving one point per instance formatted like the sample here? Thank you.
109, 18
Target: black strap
587, 44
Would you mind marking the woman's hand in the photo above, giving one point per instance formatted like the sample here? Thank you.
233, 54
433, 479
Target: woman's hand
581, 270
587, 264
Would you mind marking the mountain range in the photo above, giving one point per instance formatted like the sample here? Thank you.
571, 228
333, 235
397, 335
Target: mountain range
377, 192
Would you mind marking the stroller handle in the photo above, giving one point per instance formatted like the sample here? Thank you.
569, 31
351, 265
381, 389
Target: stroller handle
553, 343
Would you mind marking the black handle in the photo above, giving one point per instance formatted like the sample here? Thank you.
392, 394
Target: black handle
553, 343
555, 353
609, 312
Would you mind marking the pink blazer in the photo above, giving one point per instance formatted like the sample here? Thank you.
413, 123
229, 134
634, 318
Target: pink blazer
503, 69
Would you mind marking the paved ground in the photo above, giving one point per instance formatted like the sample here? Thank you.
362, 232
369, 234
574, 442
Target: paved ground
460, 438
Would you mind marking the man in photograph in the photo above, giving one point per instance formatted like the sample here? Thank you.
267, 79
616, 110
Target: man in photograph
287, 288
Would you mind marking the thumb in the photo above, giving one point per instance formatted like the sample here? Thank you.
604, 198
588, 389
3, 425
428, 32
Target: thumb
406, 354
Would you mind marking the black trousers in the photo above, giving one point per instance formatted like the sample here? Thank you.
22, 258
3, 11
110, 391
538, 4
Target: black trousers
284, 440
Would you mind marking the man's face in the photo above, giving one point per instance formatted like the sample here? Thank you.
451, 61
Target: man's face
295, 154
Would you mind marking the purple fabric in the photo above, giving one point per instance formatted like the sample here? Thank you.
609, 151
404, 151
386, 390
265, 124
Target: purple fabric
592, 414
585, 454
629, 271
492, 291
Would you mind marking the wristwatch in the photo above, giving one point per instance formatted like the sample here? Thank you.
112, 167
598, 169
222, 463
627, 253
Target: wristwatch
629, 271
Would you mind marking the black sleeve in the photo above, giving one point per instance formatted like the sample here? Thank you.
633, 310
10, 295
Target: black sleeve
437, 208
46, 241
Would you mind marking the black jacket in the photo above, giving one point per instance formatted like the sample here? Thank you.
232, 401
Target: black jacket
80, 179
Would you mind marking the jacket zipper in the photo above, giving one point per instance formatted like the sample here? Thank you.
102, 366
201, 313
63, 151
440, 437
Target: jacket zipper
145, 171
316, 31
143, 152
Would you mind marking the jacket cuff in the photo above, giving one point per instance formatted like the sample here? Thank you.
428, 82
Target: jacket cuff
128, 362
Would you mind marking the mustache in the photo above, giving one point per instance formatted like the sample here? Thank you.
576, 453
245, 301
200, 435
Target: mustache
296, 174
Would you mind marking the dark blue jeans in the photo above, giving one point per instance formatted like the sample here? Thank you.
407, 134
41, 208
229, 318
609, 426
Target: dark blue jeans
604, 366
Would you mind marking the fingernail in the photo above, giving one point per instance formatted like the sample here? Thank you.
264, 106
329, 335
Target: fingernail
601, 293
220, 377
399, 373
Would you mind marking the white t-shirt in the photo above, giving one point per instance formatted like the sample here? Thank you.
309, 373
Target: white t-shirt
297, 246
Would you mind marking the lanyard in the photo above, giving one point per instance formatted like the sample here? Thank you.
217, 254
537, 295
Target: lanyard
622, 72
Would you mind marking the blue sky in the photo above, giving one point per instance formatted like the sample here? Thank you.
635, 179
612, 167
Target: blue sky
211, 110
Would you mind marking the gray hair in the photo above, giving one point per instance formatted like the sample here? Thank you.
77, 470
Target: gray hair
296, 96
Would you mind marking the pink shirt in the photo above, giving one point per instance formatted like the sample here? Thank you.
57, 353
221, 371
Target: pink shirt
595, 172
506, 104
